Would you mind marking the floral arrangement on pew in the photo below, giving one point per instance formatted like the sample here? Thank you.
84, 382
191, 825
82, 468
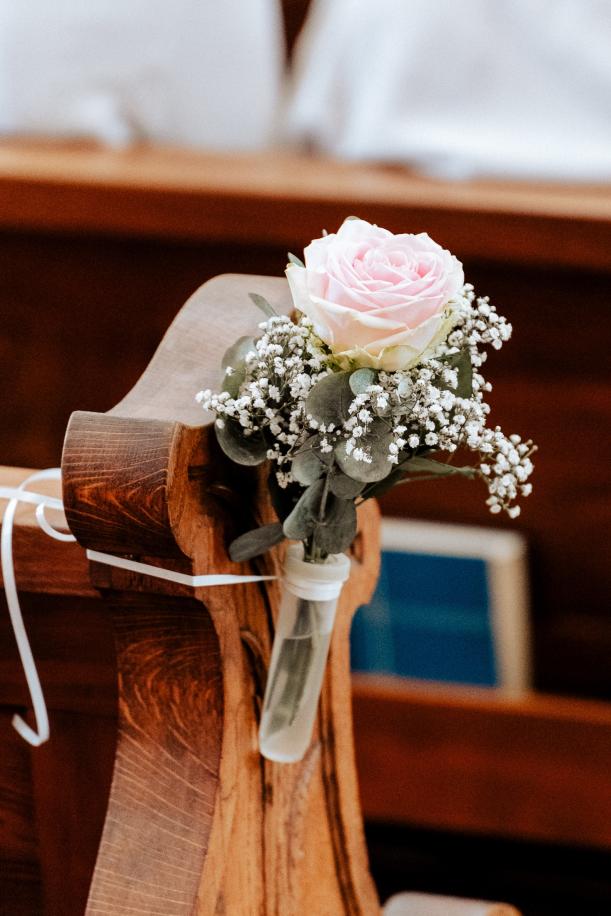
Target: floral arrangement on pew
374, 382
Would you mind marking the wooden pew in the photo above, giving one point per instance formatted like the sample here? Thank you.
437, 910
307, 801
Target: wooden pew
197, 821
98, 248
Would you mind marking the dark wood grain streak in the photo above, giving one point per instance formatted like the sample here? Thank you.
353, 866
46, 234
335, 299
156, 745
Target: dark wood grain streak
338, 770
166, 772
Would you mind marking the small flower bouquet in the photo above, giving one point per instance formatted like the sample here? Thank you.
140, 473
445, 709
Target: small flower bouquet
374, 382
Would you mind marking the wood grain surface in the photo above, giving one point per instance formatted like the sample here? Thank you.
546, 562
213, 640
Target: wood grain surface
166, 770
471, 760
197, 820
21, 882
285, 197
448, 760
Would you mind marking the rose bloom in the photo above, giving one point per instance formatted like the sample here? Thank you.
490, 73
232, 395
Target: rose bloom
377, 299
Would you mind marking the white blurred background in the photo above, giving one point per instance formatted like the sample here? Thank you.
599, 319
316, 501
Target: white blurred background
512, 88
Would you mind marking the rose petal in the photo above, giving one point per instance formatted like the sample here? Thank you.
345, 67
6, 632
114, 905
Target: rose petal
372, 292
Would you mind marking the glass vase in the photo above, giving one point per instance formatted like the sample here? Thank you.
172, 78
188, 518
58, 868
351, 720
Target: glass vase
310, 592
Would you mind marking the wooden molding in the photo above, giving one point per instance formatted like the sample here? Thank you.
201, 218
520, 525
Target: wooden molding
284, 197
451, 758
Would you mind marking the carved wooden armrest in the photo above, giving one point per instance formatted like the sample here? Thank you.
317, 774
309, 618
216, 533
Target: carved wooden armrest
198, 822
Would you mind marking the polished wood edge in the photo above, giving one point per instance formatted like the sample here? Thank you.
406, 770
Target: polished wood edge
528, 704
286, 198
476, 761
115, 473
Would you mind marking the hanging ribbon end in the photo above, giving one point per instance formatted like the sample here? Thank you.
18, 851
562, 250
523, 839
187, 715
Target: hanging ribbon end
28, 734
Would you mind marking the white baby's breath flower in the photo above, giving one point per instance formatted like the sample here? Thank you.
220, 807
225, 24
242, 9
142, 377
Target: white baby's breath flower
419, 406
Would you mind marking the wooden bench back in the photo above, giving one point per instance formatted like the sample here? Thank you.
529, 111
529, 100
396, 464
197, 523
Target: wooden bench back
197, 820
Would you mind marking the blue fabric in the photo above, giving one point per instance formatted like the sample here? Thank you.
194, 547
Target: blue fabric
429, 618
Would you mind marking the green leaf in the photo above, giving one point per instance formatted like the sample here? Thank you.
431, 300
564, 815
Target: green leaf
254, 543
237, 352
338, 530
330, 399
461, 361
418, 465
234, 358
361, 379
343, 486
376, 442
307, 467
262, 303
380, 487
428, 466
309, 462
293, 259
232, 382
242, 449
303, 519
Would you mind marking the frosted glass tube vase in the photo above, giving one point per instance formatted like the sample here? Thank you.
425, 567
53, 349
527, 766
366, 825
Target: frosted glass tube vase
310, 592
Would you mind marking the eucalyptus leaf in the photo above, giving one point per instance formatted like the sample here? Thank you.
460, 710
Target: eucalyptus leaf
428, 466
461, 361
293, 259
309, 463
232, 381
254, 543
330, 399
376, 442
242, 449
234, 359
338, 530
343, 486
262, 303
380, 487
236, 354
302, 521
306, 467
361, 379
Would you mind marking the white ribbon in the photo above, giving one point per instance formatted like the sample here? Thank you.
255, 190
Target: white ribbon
15, 495
169, 574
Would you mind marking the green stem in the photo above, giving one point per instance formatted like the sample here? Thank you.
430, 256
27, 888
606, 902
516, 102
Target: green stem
312, 554
323, 499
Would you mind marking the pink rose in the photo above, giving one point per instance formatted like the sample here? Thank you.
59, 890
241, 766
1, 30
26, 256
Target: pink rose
375, 298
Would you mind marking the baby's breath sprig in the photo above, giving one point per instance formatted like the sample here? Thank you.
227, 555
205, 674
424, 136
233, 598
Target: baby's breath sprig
335, 435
